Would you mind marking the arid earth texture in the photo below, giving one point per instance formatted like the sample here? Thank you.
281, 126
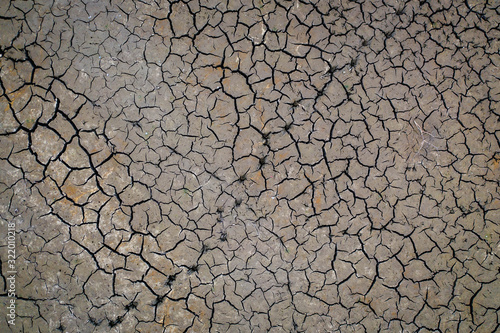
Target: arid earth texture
250, 166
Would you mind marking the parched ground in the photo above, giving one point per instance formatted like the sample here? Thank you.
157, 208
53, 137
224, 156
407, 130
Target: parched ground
239, 166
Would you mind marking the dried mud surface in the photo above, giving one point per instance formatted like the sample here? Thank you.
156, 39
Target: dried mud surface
251, 166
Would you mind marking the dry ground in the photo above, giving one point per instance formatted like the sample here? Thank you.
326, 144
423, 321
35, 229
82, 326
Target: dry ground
239, 166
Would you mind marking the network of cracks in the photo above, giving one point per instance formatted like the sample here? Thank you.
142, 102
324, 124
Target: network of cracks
251, 166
